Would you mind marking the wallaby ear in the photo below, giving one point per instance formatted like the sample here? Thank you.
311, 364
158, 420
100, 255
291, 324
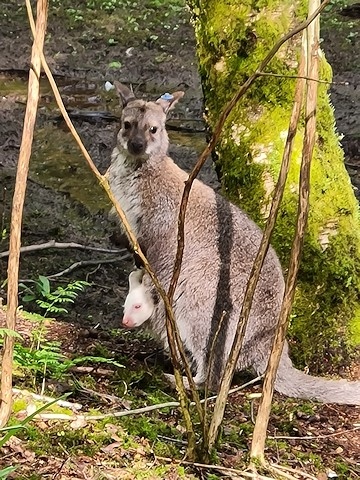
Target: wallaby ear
125, 93
169, 100
135, 278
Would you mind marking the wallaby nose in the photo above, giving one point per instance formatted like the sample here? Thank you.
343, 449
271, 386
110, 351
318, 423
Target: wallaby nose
136, 146
127, 322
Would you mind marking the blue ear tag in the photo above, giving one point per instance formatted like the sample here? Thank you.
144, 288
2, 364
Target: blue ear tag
167, 96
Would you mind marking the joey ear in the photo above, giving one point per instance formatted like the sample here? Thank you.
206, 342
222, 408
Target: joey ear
125, 93
135, 278
169, 100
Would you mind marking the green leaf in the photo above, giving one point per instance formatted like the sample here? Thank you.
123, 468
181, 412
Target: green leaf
5, 471
115, 64
28, 298
92, 359
9, 333
44, 284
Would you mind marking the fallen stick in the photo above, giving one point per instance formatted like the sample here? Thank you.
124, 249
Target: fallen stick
45, 398
55, 244
136, 411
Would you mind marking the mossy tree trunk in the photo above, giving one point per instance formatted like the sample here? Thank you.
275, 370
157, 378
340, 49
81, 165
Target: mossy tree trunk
232, 38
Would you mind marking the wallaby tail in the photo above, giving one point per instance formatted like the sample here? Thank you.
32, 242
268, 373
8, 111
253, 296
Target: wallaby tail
294, 383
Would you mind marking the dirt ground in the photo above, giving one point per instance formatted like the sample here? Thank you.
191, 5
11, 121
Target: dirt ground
85, 47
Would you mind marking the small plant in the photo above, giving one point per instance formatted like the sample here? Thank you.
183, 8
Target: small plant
44, 360
48, 360
9, 333
52, 301
10, 431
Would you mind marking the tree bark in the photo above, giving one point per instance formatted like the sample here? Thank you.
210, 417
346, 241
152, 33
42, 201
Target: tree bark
232, 38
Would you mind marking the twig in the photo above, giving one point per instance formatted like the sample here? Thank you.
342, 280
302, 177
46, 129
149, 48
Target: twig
80, 264
56, 474
109, 398
136, 411
216, 467
304, 77
317, 437
208, 373
85, 263
122, 413
172, 440
93, 370
17, 208
312, 56
259, 259
54, 244
278, 473
45, 398
277, 468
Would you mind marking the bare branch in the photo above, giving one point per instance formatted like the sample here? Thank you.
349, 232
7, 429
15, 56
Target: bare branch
258, 262
55, 244
304, 77
84, 263
17, 207
317, 437
312, 55
282, 471
136, 411
241, 473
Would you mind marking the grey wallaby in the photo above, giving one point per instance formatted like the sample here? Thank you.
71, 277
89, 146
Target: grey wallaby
221, 242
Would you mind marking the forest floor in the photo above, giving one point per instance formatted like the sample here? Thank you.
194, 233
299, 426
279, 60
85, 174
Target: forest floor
151, 45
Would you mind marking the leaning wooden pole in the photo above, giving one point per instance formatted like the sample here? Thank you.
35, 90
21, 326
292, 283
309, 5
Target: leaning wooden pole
262, 419
17, 209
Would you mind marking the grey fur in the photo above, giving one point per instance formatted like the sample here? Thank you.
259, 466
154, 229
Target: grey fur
221, 242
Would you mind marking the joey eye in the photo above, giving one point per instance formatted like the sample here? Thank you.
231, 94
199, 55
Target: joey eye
137, 306
153, 129
127, 125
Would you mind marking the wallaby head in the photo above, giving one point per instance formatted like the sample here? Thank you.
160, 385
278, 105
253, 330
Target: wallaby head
139, 305
142, 131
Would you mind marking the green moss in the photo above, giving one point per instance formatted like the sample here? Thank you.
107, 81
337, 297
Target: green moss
354, 328
19, 405
325, 320
342, 470
148, 427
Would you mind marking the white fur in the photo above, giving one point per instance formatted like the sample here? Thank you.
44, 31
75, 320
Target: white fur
138, 305
129, 200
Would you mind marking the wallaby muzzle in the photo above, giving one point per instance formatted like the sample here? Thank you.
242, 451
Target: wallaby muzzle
136, 145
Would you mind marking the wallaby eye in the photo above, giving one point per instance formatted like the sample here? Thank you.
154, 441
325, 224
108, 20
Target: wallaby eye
127, 125
137, 306
153, 129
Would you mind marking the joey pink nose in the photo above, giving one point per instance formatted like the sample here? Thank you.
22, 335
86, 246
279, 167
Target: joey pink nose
127, 322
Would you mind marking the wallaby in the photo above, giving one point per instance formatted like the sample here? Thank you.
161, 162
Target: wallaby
221, 242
